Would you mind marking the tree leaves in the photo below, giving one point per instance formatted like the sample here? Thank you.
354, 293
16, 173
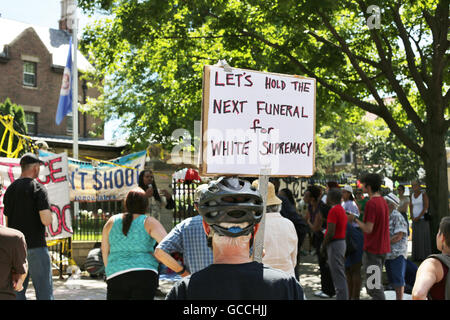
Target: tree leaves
150, 56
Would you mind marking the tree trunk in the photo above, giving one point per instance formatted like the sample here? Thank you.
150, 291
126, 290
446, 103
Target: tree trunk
435, 163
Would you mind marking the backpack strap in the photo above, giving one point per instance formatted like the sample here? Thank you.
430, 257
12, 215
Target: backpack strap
444, 259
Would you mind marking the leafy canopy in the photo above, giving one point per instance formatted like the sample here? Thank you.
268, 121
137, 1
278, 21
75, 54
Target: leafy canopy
149, 56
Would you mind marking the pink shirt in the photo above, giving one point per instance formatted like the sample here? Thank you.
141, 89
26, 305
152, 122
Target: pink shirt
280, 243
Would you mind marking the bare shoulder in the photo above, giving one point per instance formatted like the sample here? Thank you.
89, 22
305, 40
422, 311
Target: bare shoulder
432, 265
110, 222
151, 223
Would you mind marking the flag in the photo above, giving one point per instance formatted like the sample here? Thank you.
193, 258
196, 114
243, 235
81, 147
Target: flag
65, 96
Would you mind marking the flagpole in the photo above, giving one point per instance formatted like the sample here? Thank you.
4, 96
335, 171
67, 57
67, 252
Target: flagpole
75, 91
75, 83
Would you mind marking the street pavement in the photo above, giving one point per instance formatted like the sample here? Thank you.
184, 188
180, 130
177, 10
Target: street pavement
87, 288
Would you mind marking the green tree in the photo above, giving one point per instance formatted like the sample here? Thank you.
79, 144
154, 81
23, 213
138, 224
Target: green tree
387, 150
20, 125
359, 52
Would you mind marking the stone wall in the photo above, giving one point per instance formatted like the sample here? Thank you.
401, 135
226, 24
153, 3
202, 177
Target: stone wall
80, 250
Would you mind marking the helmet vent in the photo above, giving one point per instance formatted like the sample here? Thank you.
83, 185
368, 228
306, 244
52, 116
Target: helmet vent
237, 214
235, 199
233, 183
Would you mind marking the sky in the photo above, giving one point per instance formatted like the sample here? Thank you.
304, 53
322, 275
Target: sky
46, 13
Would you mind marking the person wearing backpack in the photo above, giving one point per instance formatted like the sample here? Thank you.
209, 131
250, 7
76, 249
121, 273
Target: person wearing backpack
432, 279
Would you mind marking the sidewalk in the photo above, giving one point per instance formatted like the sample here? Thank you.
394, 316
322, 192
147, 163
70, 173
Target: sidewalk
87, 288
310, 280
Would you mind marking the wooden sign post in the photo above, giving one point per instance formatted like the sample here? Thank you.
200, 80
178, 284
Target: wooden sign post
259, 237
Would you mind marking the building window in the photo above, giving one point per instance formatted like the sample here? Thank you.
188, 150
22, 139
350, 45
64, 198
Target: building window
69, 123
29, 74
31, 120
347, 158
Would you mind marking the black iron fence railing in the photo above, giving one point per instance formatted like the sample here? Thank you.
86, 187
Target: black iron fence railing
88, 225
183, 194
60, 253
87, 228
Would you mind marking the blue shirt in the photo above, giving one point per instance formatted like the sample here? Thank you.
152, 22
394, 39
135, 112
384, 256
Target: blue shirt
131, 252
189, 238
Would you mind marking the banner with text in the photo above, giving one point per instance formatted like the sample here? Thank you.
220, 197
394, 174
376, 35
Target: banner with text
107, 181
53, 175
253, 120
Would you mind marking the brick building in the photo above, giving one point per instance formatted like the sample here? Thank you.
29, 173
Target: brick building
32, 61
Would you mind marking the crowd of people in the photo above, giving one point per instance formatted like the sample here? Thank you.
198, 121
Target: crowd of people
355, 234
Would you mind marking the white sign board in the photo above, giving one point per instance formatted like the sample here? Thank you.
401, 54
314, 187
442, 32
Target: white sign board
53, 175
253, 120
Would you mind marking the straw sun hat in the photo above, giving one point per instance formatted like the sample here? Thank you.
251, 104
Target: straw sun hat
272, 198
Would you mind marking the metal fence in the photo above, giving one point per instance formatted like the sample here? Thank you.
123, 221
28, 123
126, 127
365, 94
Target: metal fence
88, 229
88, 225
60, 253
183, 194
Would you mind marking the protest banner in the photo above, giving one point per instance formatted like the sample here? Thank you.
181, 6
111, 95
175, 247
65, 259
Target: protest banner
53, 175
107, 181
253, 120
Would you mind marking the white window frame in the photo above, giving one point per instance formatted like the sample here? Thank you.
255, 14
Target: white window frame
34, 74
35, 124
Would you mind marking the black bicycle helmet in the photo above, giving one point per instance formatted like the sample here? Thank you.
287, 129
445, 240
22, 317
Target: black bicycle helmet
231, 200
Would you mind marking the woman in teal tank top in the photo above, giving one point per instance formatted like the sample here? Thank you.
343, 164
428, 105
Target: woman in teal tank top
128, 242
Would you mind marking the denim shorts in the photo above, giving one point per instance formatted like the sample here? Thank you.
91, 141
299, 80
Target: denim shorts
395, 270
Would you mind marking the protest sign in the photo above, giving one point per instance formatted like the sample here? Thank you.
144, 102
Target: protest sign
253, 120
53, 175
107, 181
